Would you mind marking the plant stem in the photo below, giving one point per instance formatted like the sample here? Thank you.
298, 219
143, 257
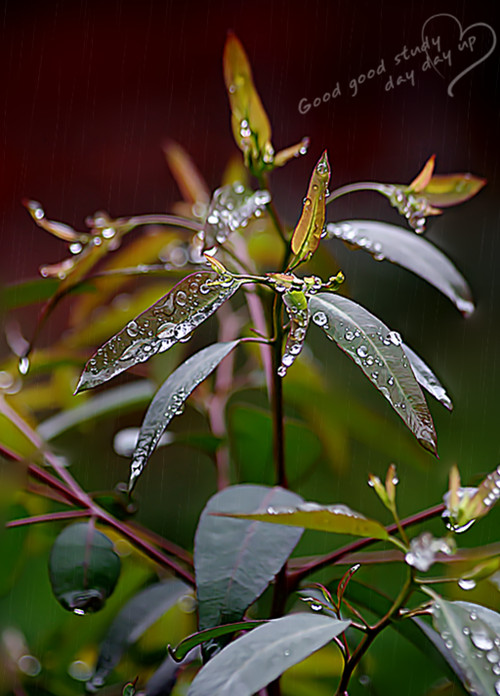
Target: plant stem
277, 397
295, 577
49, 517
358, 186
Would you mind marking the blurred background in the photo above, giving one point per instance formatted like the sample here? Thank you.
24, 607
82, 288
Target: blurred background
91, 90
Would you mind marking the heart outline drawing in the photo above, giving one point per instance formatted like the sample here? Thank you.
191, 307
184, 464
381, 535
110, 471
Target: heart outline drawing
462, 34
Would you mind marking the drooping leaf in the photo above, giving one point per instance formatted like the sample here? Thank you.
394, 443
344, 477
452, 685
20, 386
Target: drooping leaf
170, 398
410, 251
235, 560
250, 124
231, 207
257, 658
309, 228
338, 519
297, 308
471, 633
445, 190
442, 648
379, 353
131, 622
169, 320
185, 646
426, 378
83, 568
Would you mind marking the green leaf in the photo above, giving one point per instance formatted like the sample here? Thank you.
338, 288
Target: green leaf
180, 652
33, 291
13, 440
309, 228
169, 320
410, 251
441, 649
297, 308
235, 560
338, 519
131, 622
83, 568
231, 207
426, 378
170, 398
445, 190
471, 633
257, 658
378, 352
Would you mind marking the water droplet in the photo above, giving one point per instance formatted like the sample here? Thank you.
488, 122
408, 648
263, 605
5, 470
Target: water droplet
348, 335
24, 365
29, 665
497, 687
108, 233
75, 248
481, 640
466, 584
493, 656
319, 318
316, 607
287, 653
395, 338
80, 671
362, 351
281, 371
79, 612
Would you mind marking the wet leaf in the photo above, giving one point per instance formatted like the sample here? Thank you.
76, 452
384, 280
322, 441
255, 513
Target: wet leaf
487, 494
250, 124
379, 353
189, 180
297, 309
422, 180
337, 519
426, 378
164, 679
471, 633
309, 228
231, 207
235, 560
185, 646
131, 622
257, 658
445, 190
58, 229
440, 646
416, 254
169, 400
283, 156
168, 321
83, 568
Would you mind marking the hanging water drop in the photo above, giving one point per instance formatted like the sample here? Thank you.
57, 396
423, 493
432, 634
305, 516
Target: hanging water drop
24, 365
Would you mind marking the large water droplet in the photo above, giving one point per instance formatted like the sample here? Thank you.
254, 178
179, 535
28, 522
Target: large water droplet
24, 365
481, 640
319, 318
466, 584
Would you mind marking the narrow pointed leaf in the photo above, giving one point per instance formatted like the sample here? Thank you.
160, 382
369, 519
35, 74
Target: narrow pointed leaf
231, 207
423, 178
180, 652
189, 180
235, 560
337, 519
250, 124
487, 494
309, 228
257, 658
378, 352
173, 317
297, 308
444, 190
170, 398
131, 622
283, 156
413, 252
426, 378
472, 634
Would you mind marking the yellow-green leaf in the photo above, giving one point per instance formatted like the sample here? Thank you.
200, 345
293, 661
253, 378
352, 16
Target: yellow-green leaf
309, 228
422, 179
451, 189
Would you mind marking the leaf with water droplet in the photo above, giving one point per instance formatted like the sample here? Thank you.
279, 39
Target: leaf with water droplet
337, 519
445, 190
366, 339
297, 308
250, 124
179, 653
136, 616
231, 207
307, 233
173, 317
170, 398
410, 251
259, 657
471, 632
83, 568
426, 378
228, 579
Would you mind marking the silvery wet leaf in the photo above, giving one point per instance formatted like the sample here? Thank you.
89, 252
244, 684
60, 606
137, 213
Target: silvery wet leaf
415, 253
170, 398
298, 312
379, 353
426, 378
172, 318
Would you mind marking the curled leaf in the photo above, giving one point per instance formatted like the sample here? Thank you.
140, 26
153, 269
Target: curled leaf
298, 311
379, 353
169, 400
309, 228
427, 379
165, 323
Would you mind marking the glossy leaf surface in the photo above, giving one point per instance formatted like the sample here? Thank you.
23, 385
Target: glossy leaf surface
297, 308
445, 190
235, 560
410, 251
168, 321
426, 378
170, 398
257, 658
131, 622
185, 646
338, 519
379, 353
